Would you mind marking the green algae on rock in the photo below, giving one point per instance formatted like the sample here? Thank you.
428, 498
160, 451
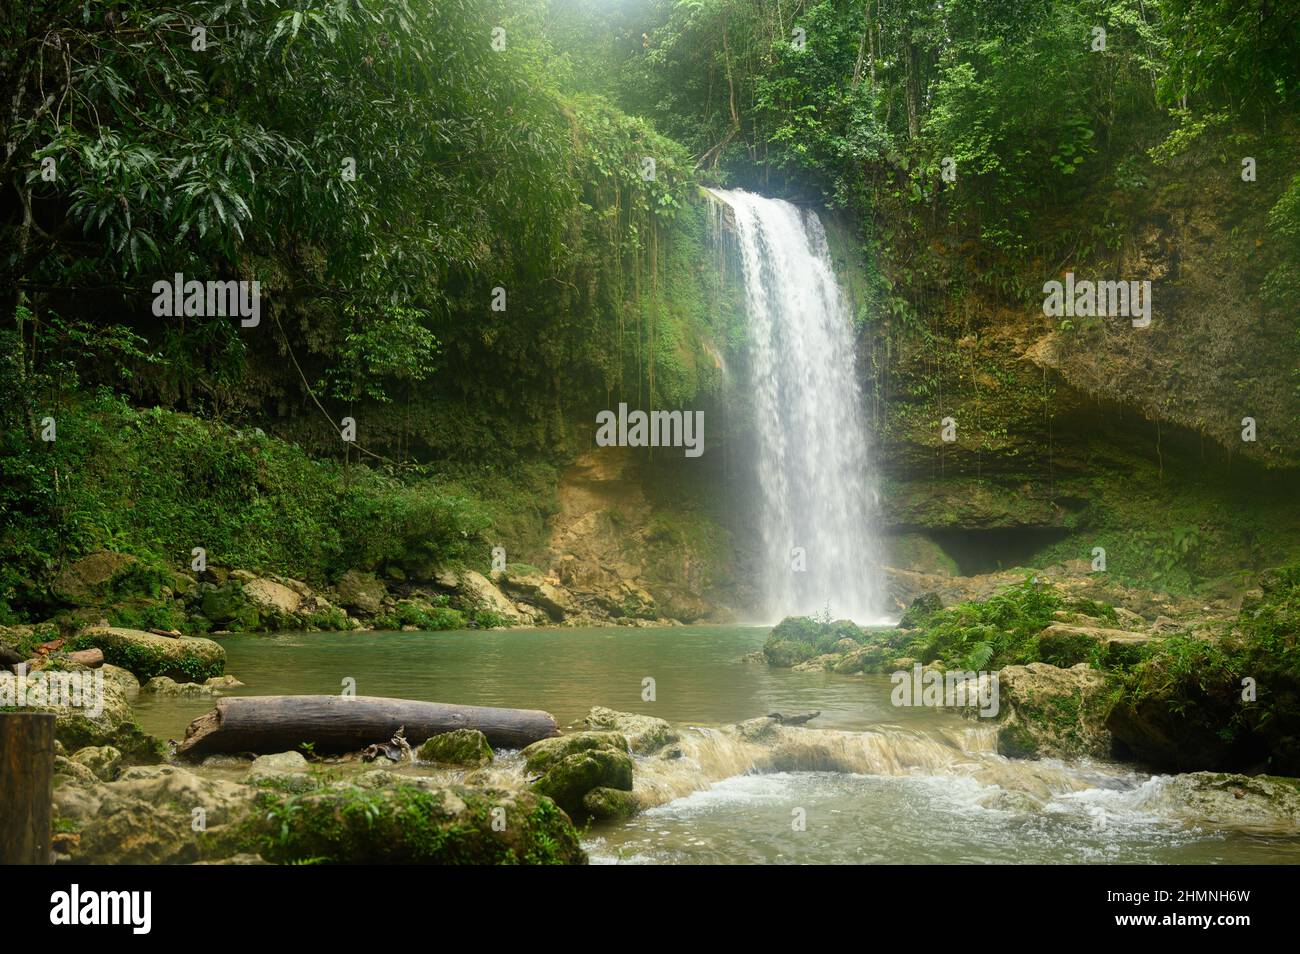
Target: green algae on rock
462, 747
184, 659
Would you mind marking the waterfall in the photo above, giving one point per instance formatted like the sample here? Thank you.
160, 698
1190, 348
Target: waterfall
814, 460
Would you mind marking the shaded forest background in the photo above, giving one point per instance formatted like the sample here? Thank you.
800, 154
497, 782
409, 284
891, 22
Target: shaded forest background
213, 139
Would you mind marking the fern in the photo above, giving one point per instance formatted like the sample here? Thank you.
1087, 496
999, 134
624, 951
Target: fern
978, 657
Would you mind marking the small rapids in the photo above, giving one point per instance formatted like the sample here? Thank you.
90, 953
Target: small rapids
895, 795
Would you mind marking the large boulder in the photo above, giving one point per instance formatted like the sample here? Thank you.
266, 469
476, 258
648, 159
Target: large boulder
187, 659
273, 598
1051, 712
481, 594
152, 815
225, 605
1065, 645
363, 592
1258, 801
413, 822
534, 588
83, 718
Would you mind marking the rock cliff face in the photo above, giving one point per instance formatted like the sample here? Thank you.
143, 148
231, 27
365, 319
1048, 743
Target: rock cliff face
626, 557
1076, 433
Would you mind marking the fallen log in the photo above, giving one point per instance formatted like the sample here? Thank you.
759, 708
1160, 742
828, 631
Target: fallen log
267, 724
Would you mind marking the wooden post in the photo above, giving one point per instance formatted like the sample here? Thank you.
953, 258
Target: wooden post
26, 787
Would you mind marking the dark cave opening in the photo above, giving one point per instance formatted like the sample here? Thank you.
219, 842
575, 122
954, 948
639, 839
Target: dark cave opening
988, 550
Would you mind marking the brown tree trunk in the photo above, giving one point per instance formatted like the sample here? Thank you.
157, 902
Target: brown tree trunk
26, 787
268, 724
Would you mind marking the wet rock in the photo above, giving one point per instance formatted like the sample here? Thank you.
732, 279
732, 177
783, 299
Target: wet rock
222, 683
761, 729
822, 663
1258, 801
149, 816
644, 734
542, 755
147, 655
1051, 712
269, 766
463, 747
1018, 803
610, 804
571, 766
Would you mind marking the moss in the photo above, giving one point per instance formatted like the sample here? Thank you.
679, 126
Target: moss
1188, 704
1016, 741
798, 639
610, 804
423, 615
145, 655
922, 609
467, 747
408, 824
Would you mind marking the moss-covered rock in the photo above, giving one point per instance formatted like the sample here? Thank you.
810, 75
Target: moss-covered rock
571, 766
542, 755
610, 804
166, 686
799, 639
78, 726
463, 747
1221, 698
1066, 645
1258, 801
226, 607
146, 655
160, 814
414, 824
103, 578
1052, 712
644, 734
103, 761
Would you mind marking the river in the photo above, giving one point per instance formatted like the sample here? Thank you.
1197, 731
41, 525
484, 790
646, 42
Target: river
930, 787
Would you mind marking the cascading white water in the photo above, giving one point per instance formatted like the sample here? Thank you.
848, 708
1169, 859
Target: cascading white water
814, 462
